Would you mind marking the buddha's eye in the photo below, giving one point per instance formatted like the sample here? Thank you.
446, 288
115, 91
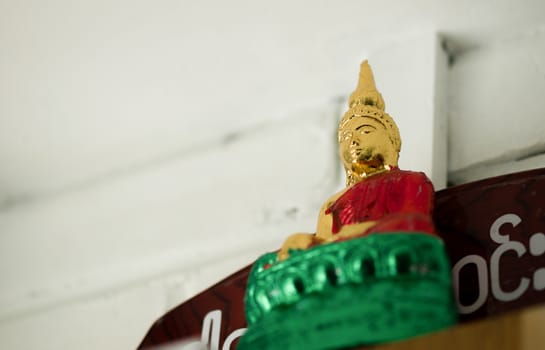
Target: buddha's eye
365, 129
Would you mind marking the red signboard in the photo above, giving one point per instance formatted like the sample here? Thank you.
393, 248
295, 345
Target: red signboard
494, 233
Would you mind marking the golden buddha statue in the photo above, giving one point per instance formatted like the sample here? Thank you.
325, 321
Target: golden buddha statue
375, 270
369, 145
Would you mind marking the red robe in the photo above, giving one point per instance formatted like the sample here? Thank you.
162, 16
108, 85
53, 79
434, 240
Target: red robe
398, 200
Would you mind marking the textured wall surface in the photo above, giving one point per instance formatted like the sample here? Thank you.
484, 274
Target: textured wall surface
149, 151
497, 107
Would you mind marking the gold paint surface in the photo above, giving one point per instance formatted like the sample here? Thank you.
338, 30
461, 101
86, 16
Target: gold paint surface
369, 144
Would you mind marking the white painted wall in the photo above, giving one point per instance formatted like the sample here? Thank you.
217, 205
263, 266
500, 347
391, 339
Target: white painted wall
94, 88
497, 107
147, 151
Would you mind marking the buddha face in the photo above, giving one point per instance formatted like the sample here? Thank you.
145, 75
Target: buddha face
365, 146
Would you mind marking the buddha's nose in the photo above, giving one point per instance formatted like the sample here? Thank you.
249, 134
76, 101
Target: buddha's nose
355, 143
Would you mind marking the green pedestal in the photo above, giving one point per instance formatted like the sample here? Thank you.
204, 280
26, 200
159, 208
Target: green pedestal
368, 290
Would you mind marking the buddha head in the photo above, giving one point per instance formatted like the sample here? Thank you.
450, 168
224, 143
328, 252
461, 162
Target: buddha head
369, 141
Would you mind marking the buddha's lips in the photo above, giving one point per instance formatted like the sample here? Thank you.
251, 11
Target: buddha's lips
366, 164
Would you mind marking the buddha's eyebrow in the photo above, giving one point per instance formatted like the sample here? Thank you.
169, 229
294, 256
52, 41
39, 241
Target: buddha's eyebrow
361, 126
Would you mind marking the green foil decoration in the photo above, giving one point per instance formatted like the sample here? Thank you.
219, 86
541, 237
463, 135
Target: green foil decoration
367, 290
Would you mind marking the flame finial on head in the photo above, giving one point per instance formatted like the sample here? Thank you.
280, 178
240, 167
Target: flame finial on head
366, 93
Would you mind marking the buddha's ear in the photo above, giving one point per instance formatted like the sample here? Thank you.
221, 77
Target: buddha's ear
394, 158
